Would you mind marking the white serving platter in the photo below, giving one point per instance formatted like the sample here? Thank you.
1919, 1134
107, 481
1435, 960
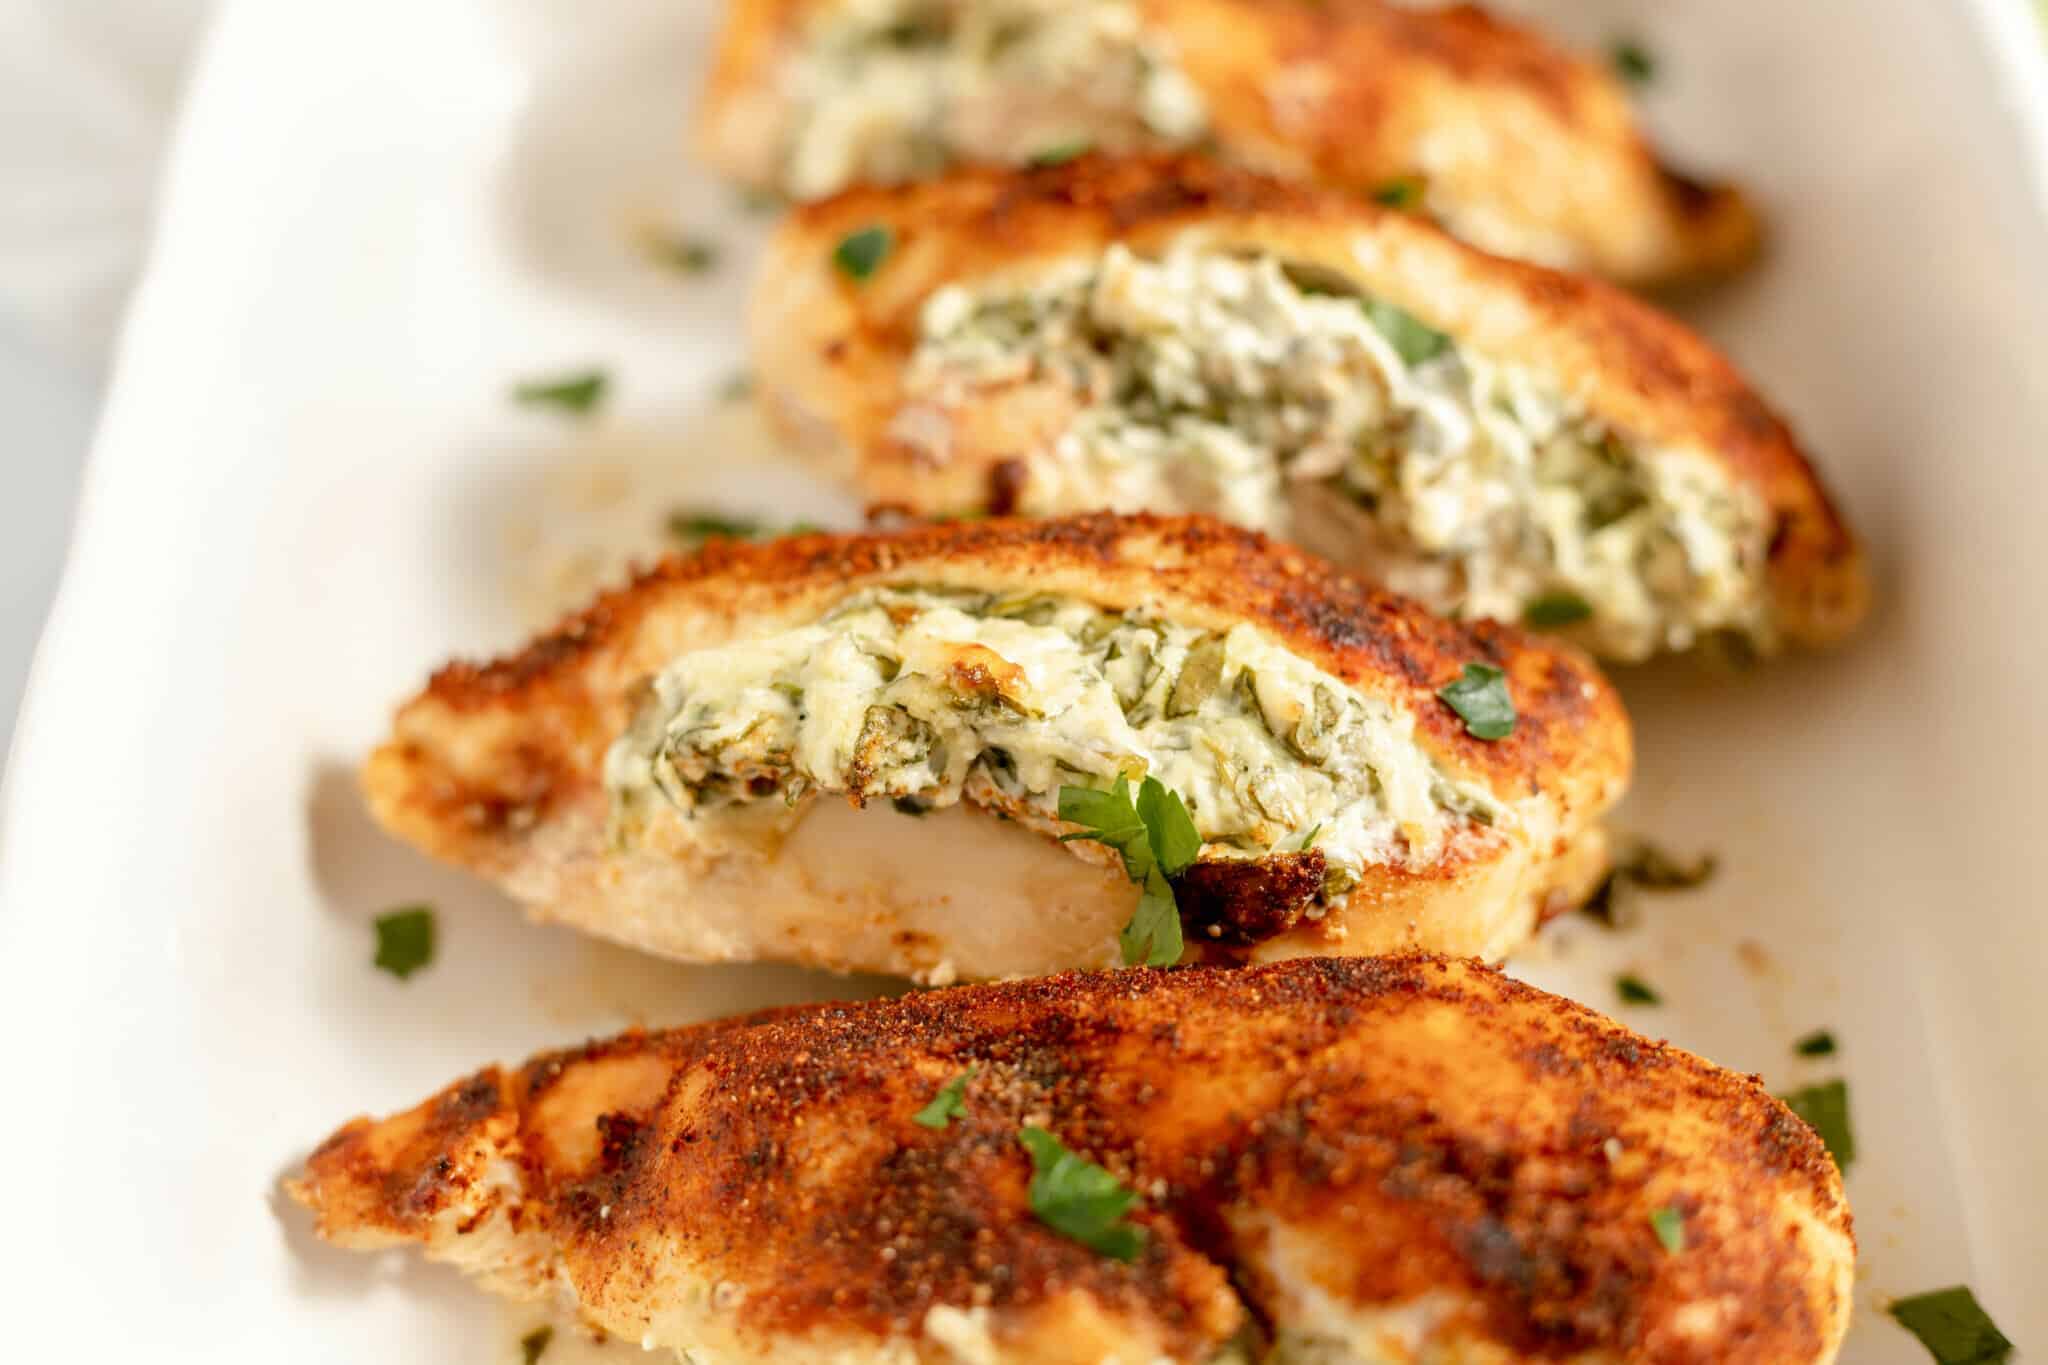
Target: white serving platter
308, 489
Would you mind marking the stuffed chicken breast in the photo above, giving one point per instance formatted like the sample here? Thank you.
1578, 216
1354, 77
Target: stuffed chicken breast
1000, 748
1405, 1161
1493, 438
1515, 145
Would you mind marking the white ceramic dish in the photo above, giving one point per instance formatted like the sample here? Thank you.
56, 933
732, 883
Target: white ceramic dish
308, 489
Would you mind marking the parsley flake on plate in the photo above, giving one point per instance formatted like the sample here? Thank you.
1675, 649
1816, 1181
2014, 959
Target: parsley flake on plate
1953, 1327
1077, 1198
1404, 192
950, 1103
1633, 990
1825, 1108
1480, 697
859, 254
1632, 61
405, 940
579, 393
1669, 1225
1819, 1043
1158, 841
691, 255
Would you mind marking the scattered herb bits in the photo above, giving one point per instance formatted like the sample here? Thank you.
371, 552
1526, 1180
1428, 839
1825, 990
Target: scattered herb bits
1953, 1327
1480, 697
580, 393
950, 1103
534, 1344
1669, 1225
1819, 1043
1825, 1108
1413, 341
1060, 153
860, 254
1632, 61
1077, 1198
1555, 609
405, 940
736, 387
1403, 192
694, 525
691, 255
1158, 841
1633, 990
1643, 866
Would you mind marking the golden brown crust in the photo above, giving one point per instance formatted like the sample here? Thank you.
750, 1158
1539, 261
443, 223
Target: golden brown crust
1427, 1126
1526, 148
832, 352
498, 767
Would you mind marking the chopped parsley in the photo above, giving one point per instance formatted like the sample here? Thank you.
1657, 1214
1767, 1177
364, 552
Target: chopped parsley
1060, 153
1556, 609
1403, 192
1825, 1108
950, 1103
1819, 1043
1645, 866
860, 254
534, 1344
692, 255
405, 940
1412, 340
1158, 841
579, 393
1632, 61
1480, 696
1633, 990
1077, 1198
1953, 1327
695, 524
1669, 1225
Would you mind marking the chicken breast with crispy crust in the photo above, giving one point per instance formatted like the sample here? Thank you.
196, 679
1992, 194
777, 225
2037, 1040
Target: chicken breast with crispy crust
1167, 335
1513, 143
1400, 1161
858, 752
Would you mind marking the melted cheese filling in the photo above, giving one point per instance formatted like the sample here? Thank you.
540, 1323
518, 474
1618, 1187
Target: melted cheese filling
927, 697
1235, 385
889, 90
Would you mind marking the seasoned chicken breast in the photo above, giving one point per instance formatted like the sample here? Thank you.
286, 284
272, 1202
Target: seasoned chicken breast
863, 751
1164, 334
1399, 1161
1515, 145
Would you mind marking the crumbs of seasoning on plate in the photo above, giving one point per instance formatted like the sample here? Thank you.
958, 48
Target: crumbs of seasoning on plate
1819, 1043
1953, 1326
534, 1344
1825, 1108
1641, 864
1632, 61
1633, 990
691, 255
1079, 1199
1669, 1225
1480, 697
860, 253
950, 1103
405, 940
579, 392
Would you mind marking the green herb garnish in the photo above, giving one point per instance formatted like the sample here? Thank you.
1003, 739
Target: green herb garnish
693, 525
1825, 1108
1953, 1327
1077, 1198
405, 940
1480, 696
534, 1344
1158, 840
1633, 990
1308, 840
950, 1103
1060, 153
1412, 340
1819, 1043
1632, 61
1556, 609
1403, 192
1669, 1225
579, 393
693, 255
860, 254
1644, 865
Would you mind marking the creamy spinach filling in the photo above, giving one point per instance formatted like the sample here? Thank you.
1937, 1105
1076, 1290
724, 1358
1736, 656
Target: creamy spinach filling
1281, 398
927, 697
888, 90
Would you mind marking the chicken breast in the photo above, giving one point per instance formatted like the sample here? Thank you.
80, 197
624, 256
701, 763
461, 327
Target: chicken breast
1399, 1161
1164, 334
1514, 144
861, 752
